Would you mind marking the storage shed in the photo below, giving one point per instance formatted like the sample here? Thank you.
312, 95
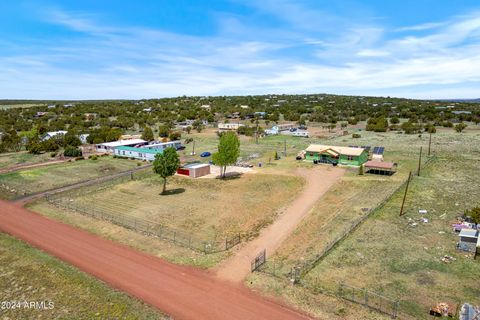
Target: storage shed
195, 170
468, 240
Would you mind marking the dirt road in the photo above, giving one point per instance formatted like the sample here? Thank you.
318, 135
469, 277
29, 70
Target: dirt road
182, 292
318, 181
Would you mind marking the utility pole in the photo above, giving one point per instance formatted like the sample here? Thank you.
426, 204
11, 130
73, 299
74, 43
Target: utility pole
419, 162
429, 143
405, 195
285, 147
256, 132
193, 149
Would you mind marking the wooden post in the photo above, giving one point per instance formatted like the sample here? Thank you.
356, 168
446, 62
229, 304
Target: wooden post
429, 143
193, 149
285, 148
405, 195
419, 162
256, 132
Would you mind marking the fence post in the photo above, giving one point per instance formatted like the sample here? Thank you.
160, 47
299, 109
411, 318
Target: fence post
395, 309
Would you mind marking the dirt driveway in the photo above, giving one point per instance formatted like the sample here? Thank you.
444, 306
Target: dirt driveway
318, 181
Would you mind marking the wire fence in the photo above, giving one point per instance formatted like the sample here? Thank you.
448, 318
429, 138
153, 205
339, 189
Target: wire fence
66, 201
149, 228
369, 299
295, 272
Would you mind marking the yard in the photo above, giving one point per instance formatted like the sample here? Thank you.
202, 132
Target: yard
386, 254
27, 274
27, 181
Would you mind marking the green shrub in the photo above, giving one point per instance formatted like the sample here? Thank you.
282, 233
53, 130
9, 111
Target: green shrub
71, 151
356, 135
53, 154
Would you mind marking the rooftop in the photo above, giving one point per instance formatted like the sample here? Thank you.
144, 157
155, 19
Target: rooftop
119, 143
468, 233
196, 165
349, 151
379, 164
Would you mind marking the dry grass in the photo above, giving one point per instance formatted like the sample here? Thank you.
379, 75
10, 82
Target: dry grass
150, 245
29, 274
384, 254
206, 208
56, 175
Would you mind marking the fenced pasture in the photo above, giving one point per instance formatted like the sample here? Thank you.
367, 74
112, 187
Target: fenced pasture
28, 181
206, 215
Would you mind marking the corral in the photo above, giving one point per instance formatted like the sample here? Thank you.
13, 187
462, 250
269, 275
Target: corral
204, 208
27, 181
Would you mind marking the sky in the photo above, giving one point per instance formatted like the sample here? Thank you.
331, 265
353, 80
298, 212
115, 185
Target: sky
116, 49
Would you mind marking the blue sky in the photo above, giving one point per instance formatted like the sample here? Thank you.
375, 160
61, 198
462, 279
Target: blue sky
110, 49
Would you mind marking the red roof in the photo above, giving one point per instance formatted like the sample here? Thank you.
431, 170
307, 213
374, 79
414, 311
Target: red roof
379, 164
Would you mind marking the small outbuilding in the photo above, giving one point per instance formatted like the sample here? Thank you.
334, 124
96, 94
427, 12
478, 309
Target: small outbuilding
194, 170
380, 167
468, 240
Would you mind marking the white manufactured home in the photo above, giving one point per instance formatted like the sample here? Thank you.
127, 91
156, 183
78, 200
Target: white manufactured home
109, 147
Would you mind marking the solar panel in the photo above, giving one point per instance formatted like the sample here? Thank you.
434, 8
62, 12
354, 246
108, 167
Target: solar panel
375, 150
378, 150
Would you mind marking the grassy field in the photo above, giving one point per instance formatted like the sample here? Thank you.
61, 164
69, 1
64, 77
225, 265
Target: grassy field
56, 175
22, 158
29, 274
206, 208
385, 254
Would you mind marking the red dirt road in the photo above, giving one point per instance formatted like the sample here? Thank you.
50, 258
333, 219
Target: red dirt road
182, 292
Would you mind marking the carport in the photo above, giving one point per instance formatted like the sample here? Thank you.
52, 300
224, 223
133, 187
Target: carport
380, 167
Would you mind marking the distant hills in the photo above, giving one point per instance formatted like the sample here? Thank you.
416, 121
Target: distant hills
462, 100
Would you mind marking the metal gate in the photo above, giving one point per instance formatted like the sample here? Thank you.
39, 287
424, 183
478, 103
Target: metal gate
259, 260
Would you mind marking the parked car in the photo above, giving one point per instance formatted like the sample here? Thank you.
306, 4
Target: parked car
180, 148
205, 154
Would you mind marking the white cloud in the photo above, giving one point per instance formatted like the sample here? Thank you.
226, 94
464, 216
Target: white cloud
132, 62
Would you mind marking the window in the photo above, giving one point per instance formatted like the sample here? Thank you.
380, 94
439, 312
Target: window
311, 154
350, 158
